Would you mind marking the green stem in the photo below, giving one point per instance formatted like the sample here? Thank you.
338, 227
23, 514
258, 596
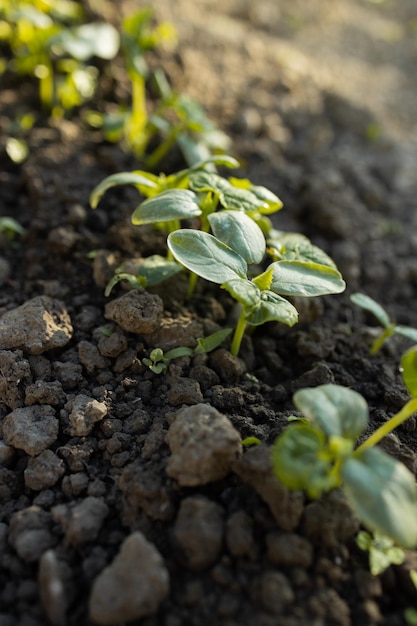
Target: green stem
381, 340
238, 334
385, 429
192, 281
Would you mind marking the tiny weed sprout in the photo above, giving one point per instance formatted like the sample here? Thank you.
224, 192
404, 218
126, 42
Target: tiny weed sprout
389, 327
319, 454
382, 551
159, 361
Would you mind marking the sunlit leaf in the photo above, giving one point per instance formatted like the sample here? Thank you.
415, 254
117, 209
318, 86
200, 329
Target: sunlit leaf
239, 232
369, 304
295, 278
122, 178
383, 494
206, 256
409, 370
339, 411
272, 308
172, 204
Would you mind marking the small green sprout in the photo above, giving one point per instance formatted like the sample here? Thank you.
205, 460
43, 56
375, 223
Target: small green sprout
390, 327
223, 258
159, 361
251, 441
10, 227
382, 551
319, 455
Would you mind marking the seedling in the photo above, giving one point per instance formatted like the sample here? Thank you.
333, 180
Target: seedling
44, 46
390, 327
382, 551
223, 258
10, 227
159, 361
319, 454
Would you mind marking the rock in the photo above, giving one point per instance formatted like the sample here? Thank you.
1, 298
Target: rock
42, 392
43, 471
51, 588
176, 332
29, 533
203, 444
240, 539
6, 453
330, 521
81, 522
199, 530
132, 586
69, 374
112, 345
230, 368
91, 358
275, 592
289, 549
255, 469
84, 413
15, 375
184, 390
143, 488
137, 311
38, 325
32, 428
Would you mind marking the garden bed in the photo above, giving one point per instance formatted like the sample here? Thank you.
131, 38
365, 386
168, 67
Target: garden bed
95, 474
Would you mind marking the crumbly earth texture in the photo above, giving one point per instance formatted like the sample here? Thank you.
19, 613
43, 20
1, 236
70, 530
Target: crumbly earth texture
126, 496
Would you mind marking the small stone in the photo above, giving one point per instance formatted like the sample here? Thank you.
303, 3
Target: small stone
91, 358
69, 374
132, 587
29, 533
84, 413
143, 488
81, 523
6, 453
239, 535
15, 375
38, 325
199, 530
184, 391
176, 332
255, 469
43, 471
112, 345
289, 549
230, 368
203, 443
51, 588
42, 392
32, 429
137, 311
275, 592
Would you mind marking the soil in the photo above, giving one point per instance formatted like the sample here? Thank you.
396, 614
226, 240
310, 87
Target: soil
125, 495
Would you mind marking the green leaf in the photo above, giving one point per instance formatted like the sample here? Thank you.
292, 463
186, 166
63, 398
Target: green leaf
117, 278
270, 202
239, 232
213, 341
206, 256
96, 39
172, 204
264, 280
295, 278
406, 331
272, 308
221, 160
300, 461
155, 269
382, 551
251, 441
383, 494
296, 247
409, 373
122, 178
339, 411
367, 303
230, 197
244, 291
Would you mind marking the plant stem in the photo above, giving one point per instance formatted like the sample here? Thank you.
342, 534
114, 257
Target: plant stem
385, 429
238, 334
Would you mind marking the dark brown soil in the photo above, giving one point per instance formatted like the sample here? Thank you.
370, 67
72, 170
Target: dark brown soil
320, 106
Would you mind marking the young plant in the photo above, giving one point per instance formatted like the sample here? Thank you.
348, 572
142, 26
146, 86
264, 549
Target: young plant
382, 551
44, 46
159, 361
390, 327
223, 258
9, 227
319, 454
